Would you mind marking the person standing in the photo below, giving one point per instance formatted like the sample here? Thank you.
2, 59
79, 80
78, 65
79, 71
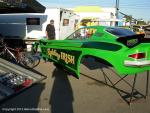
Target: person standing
50, 30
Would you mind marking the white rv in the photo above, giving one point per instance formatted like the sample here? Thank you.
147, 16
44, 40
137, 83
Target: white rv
30, 27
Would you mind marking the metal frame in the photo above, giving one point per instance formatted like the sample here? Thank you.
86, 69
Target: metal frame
128, 97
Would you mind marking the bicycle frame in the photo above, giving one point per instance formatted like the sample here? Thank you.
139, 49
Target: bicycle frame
20, 57
8, 51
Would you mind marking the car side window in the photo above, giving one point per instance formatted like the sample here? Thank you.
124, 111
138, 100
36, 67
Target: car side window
83, 33
90, 32
99, 34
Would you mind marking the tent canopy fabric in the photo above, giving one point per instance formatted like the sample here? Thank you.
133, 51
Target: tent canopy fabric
24, 6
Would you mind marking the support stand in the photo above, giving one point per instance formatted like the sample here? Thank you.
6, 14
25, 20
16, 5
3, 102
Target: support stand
129, 97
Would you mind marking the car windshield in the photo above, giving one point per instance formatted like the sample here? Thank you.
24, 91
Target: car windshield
83, 33
120, 32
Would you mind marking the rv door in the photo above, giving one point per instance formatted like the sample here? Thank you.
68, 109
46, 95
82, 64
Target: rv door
66, 24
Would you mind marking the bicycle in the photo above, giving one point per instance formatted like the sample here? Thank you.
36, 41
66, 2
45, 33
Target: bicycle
18, 56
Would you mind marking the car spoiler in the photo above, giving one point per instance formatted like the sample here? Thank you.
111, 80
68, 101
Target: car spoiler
131, 41
146, 40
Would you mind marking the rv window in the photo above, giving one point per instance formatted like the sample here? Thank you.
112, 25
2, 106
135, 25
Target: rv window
65, 22
33, 21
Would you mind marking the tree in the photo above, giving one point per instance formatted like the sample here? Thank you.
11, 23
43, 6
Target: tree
128, 18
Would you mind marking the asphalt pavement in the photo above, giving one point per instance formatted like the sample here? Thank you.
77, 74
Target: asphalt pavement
62, 93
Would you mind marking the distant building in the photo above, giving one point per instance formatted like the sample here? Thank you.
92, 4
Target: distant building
95, 15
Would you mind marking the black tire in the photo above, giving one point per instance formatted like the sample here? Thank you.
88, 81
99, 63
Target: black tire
36, 60
28, 60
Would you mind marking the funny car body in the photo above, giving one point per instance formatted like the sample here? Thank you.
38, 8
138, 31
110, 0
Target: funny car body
125, 51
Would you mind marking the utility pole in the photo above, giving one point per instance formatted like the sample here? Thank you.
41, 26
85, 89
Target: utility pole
117, 11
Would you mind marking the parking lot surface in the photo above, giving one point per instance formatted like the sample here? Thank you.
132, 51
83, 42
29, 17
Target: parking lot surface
62, 93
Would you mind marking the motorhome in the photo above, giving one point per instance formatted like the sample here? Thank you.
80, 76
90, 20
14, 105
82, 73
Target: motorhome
26, 28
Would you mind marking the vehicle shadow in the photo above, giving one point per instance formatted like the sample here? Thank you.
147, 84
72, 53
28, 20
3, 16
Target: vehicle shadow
92, 64
26, 102
61, 99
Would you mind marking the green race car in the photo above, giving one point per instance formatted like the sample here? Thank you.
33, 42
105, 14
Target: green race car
124, 50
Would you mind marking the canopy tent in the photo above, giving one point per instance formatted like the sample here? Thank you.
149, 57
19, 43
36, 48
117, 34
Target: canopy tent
21, 6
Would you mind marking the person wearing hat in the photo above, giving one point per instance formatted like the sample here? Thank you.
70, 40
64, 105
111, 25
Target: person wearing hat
50, 30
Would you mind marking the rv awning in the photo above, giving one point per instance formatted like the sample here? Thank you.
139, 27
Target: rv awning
21, 6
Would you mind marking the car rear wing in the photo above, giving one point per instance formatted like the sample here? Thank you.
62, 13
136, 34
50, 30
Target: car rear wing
146, 40
131, 41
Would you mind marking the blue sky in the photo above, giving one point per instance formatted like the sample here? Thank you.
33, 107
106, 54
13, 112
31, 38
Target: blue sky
137, 8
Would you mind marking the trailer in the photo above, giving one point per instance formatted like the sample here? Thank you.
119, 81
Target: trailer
26, 28
15, 79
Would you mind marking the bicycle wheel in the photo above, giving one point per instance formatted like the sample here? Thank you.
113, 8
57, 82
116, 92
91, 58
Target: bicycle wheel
36, 60
28, 60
